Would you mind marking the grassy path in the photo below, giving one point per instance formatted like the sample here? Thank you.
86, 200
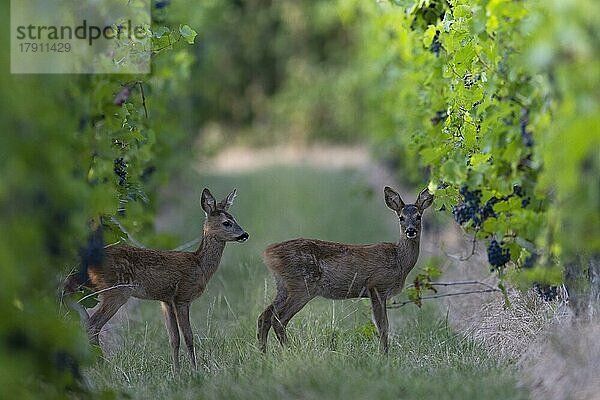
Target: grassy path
334, 351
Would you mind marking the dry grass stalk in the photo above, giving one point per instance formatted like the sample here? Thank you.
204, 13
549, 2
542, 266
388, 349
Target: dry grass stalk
559, 359
564, 363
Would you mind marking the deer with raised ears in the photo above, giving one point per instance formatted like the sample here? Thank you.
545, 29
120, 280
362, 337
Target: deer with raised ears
175, 278
304, 269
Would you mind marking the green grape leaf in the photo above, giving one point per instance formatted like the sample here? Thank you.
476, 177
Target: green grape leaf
188, 33
159, 33
429, 35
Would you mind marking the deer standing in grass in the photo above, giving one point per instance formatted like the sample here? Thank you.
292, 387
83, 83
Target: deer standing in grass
175, 278
306, 268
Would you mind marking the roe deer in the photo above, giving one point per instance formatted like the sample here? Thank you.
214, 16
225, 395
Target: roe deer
305, 268
175, 278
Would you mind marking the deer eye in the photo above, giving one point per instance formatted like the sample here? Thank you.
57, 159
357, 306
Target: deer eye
227, 224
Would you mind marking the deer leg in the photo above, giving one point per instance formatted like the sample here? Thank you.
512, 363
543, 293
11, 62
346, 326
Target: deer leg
264, 320
264, 325
110, 304
173, 331
380, 317
183, 320
282, 315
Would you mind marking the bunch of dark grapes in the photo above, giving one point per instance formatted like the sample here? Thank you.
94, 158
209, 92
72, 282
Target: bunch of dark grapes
440, 116
159, 4
120, 170
462, 213
436, 46
546, 292
530, 261
497, 255
518, 191
469, 208
122, 96
526, 135
488, 209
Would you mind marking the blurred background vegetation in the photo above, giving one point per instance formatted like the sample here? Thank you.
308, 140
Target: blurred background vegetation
486, 94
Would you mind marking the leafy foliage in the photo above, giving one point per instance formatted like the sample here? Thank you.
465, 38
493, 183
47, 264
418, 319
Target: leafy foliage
272, 70
423, 281
487, 98
75, 149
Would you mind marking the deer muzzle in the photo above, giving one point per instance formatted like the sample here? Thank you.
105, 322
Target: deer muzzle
411, 233
243, 237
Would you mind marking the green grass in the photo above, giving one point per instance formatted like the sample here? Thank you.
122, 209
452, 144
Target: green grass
334, 352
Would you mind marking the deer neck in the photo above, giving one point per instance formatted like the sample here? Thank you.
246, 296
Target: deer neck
408, 251
209, 253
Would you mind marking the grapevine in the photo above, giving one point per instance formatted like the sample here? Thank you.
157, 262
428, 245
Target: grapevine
120, 170
505, 136
498, 256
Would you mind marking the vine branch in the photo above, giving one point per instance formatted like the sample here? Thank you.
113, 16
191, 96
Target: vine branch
141, 85
129, 285
437, 296
458, 283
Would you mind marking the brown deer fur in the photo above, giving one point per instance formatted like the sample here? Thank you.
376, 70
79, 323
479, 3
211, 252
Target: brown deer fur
175, 278
306, 268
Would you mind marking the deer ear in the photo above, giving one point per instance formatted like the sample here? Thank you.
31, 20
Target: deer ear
425, 199
227, 201
207, 201
392, 199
